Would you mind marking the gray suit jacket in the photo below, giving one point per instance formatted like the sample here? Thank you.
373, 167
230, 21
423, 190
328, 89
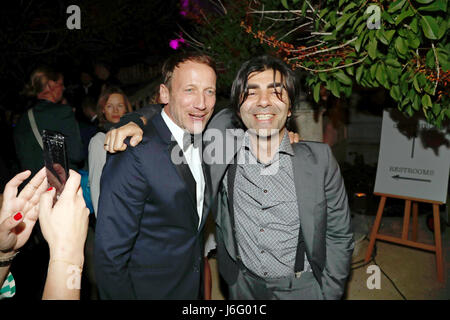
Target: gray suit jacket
322, 202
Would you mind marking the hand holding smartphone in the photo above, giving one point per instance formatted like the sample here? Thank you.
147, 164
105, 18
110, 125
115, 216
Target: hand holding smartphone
55, 159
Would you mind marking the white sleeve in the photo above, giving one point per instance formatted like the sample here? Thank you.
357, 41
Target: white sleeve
97, 159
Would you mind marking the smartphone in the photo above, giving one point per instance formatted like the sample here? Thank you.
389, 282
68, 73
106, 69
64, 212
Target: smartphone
55, 159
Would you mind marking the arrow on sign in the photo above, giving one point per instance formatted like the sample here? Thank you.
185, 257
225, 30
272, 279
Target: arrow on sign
396, 177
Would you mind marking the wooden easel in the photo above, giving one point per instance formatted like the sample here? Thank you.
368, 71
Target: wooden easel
437, 247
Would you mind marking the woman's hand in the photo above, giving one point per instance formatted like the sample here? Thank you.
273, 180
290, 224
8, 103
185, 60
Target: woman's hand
65, 225
20, 212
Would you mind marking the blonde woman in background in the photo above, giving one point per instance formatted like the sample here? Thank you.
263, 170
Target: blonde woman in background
112, 104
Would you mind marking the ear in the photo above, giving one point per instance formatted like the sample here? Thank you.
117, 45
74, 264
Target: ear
164, 94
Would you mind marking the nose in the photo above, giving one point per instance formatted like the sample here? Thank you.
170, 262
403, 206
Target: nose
201, 102
263, 99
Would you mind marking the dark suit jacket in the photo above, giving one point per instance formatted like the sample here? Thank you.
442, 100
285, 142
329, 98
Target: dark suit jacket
147, 243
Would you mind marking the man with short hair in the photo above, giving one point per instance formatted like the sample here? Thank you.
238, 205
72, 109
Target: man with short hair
282, 218
148, 242
47, 86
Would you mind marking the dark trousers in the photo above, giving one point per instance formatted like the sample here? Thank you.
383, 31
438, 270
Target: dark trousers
249, 286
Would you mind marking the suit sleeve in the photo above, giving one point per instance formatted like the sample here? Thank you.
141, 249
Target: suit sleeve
147, 112
121, 204
339, 235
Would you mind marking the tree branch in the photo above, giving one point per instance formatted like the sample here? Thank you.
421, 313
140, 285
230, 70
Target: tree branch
334, 68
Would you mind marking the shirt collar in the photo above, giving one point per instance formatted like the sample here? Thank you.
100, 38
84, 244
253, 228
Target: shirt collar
285, 145
176, 131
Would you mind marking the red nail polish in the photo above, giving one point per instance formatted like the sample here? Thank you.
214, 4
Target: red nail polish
49, 188
18, 216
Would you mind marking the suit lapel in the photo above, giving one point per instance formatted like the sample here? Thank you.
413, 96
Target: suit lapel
305, 188
182, 167
229, 147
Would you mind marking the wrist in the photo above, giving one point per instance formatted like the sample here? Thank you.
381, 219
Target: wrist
7, 258
75, 257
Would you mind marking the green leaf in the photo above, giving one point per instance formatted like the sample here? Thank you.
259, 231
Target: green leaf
436, 109
422, 80
393, 63
424, 1
342, 20
387, 17
381, 76
350, 70
393, 74
322, 11
349, 7
404, 15
334, 86
284, 3
380, 36
416, 84
442, 29
426, 101
395, 6
359, 72
343, 78
304, 8
429, 27
416, 102
388, 34
322, 76
413, 42
437, 5
395, 93
430, 59
429, 88
372, 49
401, 45
360, 40
317, 92
414, 26
373, 69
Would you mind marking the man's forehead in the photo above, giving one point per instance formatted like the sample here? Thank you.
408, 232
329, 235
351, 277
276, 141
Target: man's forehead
191, 64
256, 75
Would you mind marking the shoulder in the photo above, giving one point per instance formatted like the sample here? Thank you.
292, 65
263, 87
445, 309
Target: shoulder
224, 119
97, 140
314, 149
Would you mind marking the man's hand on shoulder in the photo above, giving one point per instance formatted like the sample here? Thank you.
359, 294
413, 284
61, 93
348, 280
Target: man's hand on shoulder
294, 137
115, 138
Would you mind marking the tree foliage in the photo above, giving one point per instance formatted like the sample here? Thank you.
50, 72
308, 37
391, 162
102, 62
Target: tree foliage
339, 45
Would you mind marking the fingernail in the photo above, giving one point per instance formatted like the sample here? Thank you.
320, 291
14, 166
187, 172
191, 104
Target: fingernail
18, 216
51, 188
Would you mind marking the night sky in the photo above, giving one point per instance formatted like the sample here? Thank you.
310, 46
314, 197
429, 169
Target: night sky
119, 33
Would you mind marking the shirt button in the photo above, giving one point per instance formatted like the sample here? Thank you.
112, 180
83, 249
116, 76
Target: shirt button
265, 273
261, 230
262, 251
265, 190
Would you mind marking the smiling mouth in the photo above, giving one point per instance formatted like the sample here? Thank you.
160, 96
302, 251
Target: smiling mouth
266, 116
197, 117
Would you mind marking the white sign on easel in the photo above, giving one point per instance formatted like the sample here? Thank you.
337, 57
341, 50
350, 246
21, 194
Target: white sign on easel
414, 158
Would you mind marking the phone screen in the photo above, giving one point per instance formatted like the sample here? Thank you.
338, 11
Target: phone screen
55, 159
